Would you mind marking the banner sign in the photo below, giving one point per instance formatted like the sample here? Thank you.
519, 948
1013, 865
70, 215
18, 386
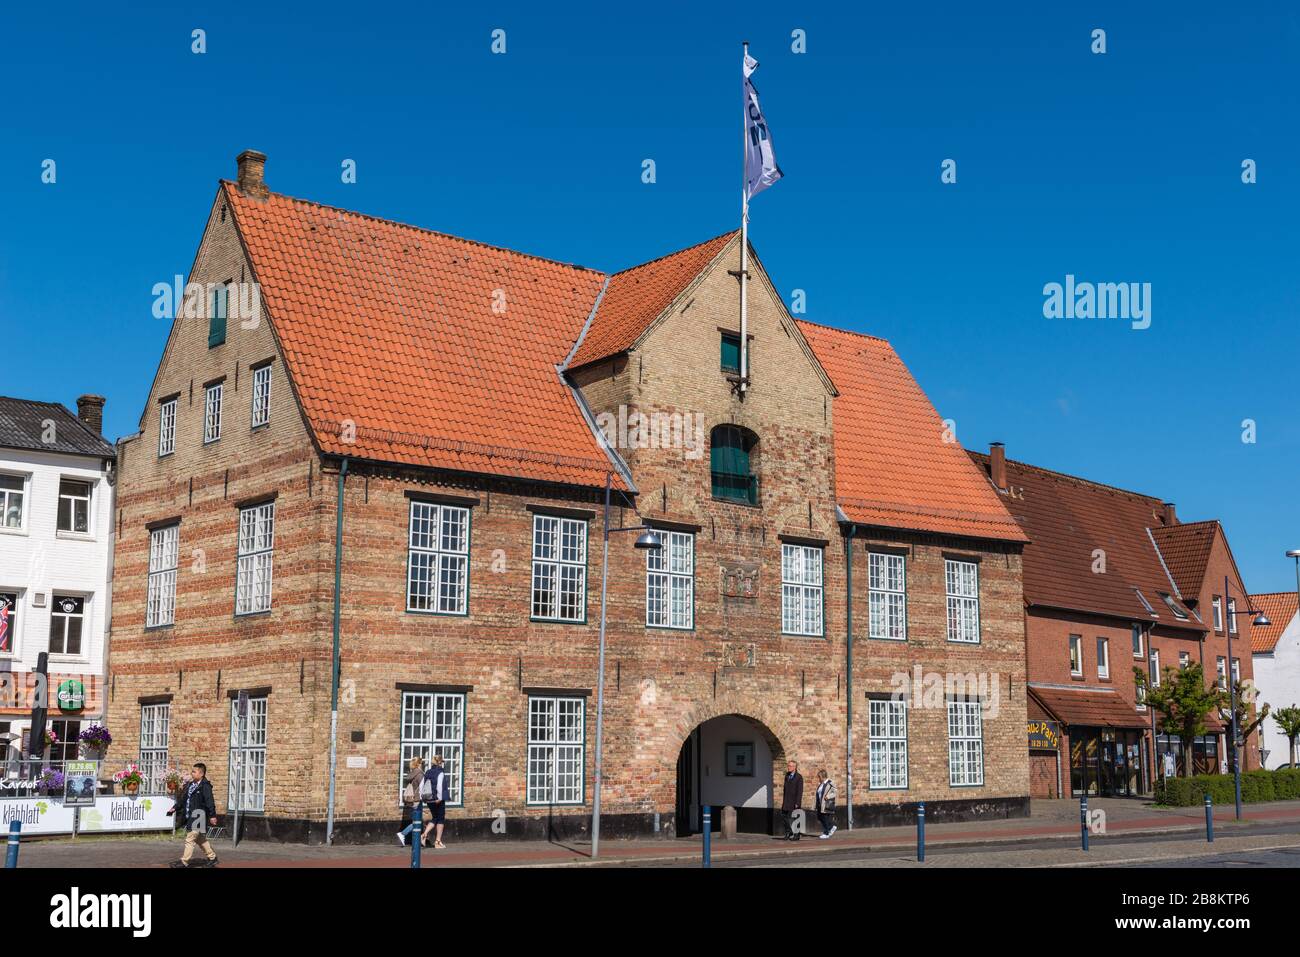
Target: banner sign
72, 695
119, 813
79, 783
1044, 735
39, 815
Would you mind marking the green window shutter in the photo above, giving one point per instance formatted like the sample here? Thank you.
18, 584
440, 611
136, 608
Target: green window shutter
217, 317
730, 353
729, 465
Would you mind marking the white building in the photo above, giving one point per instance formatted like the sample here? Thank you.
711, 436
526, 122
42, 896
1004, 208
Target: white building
1275, 653
56, 546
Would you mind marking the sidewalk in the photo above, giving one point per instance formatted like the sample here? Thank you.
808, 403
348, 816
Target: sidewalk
1049, 820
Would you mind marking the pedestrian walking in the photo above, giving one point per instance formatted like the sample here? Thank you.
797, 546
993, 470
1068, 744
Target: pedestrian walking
826, 796
434, 791
410, 794
792, 800
198, 811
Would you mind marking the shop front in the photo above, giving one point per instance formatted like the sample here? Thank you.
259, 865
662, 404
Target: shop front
1108, 762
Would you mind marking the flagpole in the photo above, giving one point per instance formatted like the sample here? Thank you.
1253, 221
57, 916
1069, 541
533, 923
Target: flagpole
744, 224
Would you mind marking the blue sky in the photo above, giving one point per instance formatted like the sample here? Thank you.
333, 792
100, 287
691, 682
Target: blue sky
1122, 167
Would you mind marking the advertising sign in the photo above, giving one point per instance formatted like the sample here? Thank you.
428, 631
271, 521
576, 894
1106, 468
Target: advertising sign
1044, 735
79, 783
71, 695
120, 813
39, 815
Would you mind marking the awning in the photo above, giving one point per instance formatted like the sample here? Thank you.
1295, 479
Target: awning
1089, 707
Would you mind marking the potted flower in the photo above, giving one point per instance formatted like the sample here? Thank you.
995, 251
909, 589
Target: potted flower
172, 781
95, 741
51, 739
49, 781
130, 779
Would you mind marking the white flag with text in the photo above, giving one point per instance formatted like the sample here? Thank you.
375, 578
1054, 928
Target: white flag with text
761, 170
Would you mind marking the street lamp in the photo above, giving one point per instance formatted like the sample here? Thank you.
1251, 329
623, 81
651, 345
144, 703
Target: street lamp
648, 540
1260, 620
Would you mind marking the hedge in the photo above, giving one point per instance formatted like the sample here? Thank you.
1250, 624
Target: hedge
1255, 786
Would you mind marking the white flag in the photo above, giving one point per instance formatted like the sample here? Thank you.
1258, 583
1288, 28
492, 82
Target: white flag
761, 170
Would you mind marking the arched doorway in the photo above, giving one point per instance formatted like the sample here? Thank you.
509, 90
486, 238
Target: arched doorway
729, 760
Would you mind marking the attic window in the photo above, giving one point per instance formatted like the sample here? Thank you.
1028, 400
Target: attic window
1178, 612
1145, 604
730, 353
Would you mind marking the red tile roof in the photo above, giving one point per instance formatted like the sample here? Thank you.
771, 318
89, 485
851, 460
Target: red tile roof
1089, 707
1279, 607
1186, 550
636, 297
892, 466
1068, 520
391, 330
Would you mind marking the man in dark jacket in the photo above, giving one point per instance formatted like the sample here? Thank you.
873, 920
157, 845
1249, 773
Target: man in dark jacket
198, 811
792, 800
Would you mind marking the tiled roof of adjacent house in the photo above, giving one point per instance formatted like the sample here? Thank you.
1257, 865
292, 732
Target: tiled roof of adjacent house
893, 467
437, 351
24, 424
1186, 550
1279, 607
636, 297
1091, 547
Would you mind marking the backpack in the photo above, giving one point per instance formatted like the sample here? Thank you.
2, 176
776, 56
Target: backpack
408, 793
426, 789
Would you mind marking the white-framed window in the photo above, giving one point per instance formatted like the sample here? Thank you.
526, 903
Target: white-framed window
802, 598
8, 622
965, 743
212, 412
961, 579
556, 741
74, 506
437, 566
253, 572
1155, 668
888, 743
155, 729
167, 428
13, 492
433, 722
1216, 603
164, 551
67, 621
1076, 655
887, 596
1221, 669
559, 568
1184, 659
1137, 641
248, 756
261, 395
670, 582
1103, 658
1173, 606
1236, 671
1232, 616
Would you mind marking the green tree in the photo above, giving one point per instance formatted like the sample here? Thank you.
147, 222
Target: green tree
1246, 725
1288, 719
1183, 701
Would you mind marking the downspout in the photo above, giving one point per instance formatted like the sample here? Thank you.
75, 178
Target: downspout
334, 665
848, 657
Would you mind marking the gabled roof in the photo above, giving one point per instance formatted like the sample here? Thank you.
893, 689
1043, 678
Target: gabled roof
391, 330
1280, 608
1186, 549
636, 297
1075, 526
23, 426
893, 468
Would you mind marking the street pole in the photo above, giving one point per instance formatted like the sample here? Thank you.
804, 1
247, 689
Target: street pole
600, 679
1232, 697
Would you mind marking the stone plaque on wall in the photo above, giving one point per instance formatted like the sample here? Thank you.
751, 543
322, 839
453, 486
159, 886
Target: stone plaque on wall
740, 580
738, 654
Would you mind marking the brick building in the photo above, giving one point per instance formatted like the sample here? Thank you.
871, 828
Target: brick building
1114, 581
459, 411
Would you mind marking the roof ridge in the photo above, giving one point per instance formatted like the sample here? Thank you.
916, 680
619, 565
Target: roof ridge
1288, 592
1200, 521
847, 332
1053, 473
676, 252
426, 230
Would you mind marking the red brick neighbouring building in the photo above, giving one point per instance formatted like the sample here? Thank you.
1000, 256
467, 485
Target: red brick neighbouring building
1114, 581
457, 410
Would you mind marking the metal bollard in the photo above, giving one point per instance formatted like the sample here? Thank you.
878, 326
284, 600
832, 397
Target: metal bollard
11, 853
1209, 819
920, 832
708, 835
1083, 819
417, 837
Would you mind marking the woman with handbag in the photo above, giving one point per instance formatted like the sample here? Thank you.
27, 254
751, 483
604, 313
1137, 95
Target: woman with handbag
410, 795
826, 795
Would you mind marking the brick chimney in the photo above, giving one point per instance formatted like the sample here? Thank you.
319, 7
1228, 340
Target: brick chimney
1168, 515
90, 410
998, 465
252, 174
